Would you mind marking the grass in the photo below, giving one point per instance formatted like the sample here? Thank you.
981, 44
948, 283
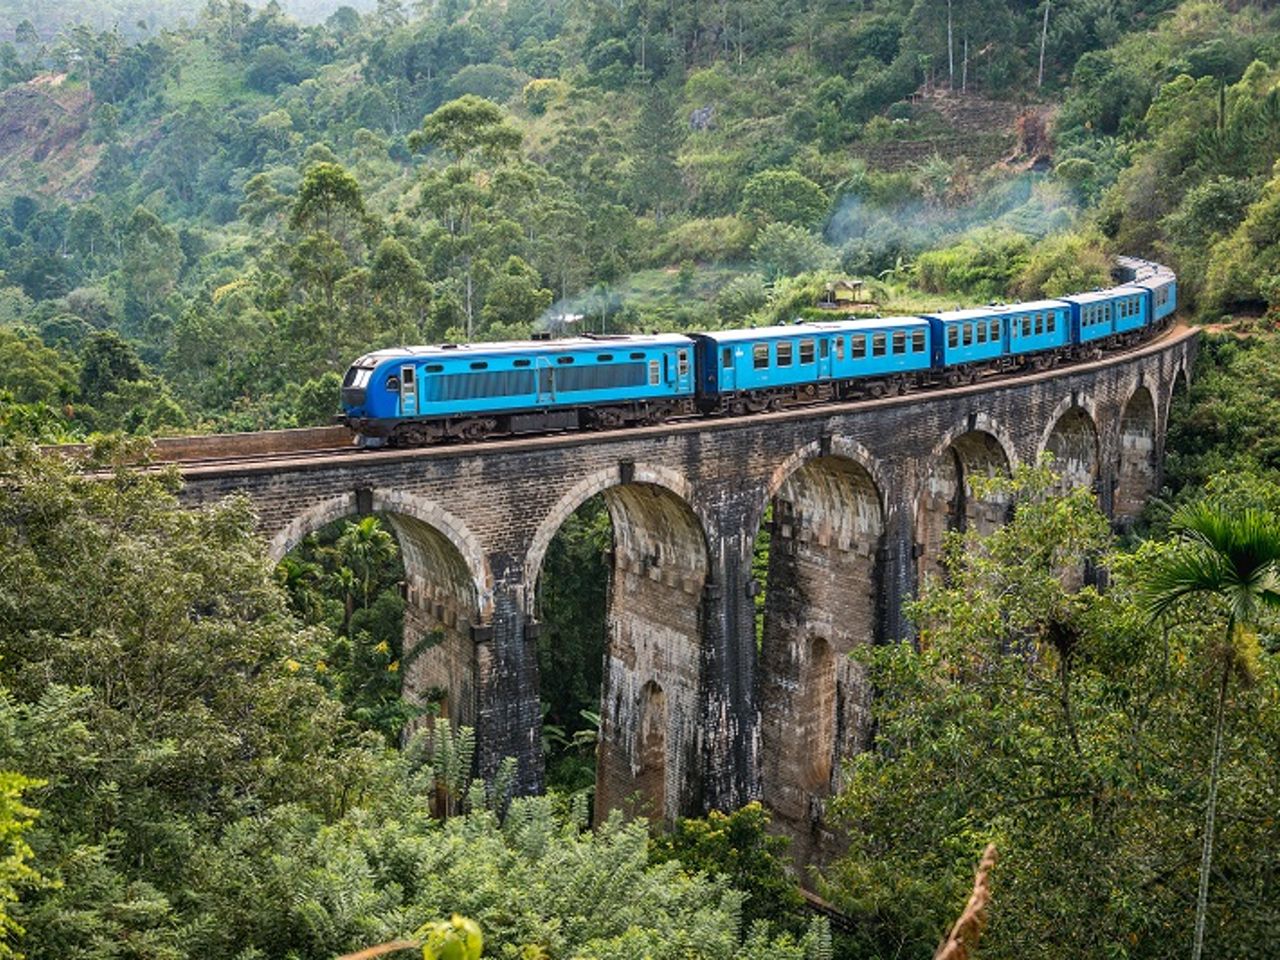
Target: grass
206, 79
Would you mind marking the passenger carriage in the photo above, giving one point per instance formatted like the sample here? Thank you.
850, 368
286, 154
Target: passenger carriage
762, 367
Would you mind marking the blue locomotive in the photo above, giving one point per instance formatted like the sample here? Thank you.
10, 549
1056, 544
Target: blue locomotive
411, 396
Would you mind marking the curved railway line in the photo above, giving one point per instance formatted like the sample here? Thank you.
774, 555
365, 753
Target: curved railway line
328, 452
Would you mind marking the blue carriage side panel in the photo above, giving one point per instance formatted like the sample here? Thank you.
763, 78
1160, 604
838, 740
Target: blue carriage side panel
969, 336
1038, 325
880, 347
1102, 313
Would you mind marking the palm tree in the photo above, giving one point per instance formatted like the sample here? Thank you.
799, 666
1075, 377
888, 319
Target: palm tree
1233, 556
363, 546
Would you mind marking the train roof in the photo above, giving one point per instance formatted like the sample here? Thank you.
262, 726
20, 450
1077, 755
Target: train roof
602, 343
1095, 296
995, 310
809, 328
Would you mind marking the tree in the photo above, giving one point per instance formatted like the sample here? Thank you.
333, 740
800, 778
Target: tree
107, 363
327, 194
152, 261
364, 546
468, 126
783, 196
1231, 558
783, 250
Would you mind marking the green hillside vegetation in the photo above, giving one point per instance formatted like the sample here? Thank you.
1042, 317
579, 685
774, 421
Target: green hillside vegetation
649, 168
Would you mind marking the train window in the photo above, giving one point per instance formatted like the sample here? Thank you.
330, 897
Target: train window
520, 363
968, 334
858, 346
953, 337
899, 342
760, 356
682, 362
839, 348
728, 356
1026, 324
604, 357
995, 329
784, 353
825, 349
917, 341
564, 359
877, 344
1039, 324
393, 384
654, 376
433, 367
479, 365
637, 356
806, 351
982, 331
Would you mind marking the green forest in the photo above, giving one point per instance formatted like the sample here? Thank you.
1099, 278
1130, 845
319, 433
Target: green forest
206, 212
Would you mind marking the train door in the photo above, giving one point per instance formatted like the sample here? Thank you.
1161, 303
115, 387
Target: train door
546, 379
728, 371
1006, 335
408, 391
684, 370
824, 358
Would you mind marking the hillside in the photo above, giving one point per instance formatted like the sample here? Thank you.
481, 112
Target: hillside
652, 168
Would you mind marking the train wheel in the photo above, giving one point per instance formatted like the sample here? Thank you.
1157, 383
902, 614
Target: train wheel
476, 429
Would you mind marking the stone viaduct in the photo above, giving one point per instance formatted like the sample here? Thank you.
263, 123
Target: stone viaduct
698, 713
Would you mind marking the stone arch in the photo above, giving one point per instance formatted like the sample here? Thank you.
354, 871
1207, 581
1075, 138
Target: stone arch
588, 487
448, 591
823, 601
946, 500
1136, 468
1072, 438
660, 564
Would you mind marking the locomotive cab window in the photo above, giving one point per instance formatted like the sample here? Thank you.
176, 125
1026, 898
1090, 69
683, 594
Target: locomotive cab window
877, 344
760, 356
917, 341
899, 342
784, 353
858, 344
806, 351
393, 384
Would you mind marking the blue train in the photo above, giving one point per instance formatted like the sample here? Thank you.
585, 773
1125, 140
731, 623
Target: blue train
411, 396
